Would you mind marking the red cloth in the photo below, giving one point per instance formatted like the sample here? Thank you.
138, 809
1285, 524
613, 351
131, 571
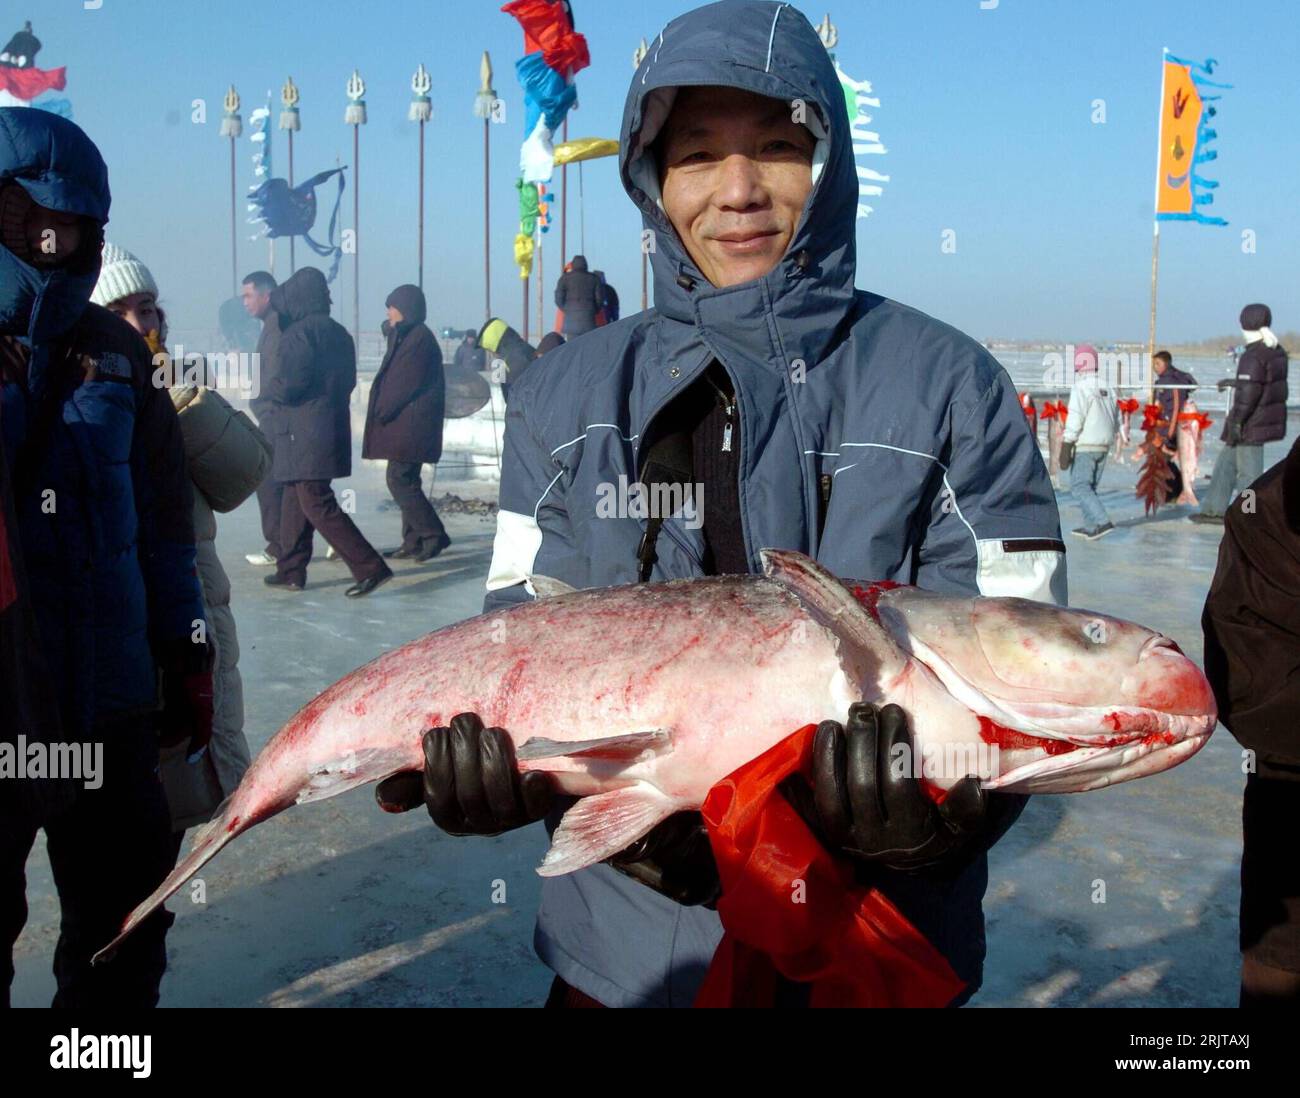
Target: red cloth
547, 30
29, 83
849, 942
1153, 416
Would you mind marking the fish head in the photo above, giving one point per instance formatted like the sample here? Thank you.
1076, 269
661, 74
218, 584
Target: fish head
1075, 699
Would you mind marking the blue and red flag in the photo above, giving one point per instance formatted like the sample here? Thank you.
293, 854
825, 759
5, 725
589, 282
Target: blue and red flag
554, 53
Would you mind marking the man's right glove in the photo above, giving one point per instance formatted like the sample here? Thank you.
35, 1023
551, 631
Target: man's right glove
471, 783
864, 802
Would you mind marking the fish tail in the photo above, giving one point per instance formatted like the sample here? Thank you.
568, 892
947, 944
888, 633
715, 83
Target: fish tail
209, 840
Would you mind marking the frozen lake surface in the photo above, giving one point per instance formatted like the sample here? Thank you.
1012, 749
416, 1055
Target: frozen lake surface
338, 904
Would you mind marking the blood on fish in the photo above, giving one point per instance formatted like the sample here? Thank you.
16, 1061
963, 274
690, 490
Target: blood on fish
1008, 739
870, 596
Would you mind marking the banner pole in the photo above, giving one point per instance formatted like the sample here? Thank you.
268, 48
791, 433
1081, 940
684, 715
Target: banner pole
1155, 235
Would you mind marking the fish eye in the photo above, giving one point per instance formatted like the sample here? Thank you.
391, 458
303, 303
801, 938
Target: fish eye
1095, 631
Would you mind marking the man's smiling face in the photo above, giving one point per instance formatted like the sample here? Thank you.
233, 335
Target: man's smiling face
735, 172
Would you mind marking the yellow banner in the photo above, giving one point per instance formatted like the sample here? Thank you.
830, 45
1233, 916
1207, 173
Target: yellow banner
1180, 116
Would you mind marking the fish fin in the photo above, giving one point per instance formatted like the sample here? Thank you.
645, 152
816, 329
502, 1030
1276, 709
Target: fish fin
617, 748
548, 588
209, 840
834, 605
601, 825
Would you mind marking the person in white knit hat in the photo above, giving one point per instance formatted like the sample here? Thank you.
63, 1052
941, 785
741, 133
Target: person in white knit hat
127, 288
227, 458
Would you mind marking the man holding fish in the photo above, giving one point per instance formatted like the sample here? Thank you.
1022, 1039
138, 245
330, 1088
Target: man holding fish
811, 416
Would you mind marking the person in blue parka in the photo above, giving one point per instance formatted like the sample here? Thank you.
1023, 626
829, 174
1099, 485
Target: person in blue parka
814, 416
104, 514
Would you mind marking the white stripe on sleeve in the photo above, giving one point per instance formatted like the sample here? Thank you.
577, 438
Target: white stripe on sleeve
514, 551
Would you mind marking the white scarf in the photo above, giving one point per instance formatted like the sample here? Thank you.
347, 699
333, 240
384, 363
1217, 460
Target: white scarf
1266, 334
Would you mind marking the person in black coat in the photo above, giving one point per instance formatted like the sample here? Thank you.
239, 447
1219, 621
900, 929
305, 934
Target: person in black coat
310, 389
404, 421
1257, 415
1252, 647
581, 295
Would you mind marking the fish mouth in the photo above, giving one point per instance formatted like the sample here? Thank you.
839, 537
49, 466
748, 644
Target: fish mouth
1085, 747
1089, 768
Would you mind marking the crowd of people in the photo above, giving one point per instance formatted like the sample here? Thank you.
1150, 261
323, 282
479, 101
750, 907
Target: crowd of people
114, 612
1257, 414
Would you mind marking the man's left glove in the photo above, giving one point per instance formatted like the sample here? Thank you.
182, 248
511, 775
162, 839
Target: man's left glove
187, 697
866, 799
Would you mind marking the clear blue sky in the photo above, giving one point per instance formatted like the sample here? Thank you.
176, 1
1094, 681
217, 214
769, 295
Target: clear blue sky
987, 115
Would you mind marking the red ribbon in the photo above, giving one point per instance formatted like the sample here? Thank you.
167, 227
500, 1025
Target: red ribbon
790, 909
1199, 418
1053, 411
1153, 416
1129, 406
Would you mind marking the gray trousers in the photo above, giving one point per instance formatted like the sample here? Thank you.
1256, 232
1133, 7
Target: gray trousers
1236, 467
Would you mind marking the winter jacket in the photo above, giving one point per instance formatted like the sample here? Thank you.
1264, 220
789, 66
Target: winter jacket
470, 358
509, 354
1094, 416
581, 295
1259, 397
103, 500
1172, 401
408, 398
1252, 620
311, 383
31, 709
228, 458
268, 342
879, 441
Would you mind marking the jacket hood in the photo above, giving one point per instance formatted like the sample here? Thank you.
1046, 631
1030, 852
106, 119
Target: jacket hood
409, 301
303, 294
60, 168
579, 263
770, 49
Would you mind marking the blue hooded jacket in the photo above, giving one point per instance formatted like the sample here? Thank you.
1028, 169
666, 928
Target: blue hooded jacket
103, 500
934, 476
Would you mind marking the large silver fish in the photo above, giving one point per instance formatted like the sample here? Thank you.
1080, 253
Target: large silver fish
640, 698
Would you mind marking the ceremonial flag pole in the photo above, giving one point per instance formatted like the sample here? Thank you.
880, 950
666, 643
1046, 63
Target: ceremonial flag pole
261, 138
484, 104
290, 121
232, 126
421, 111
355, 116
1155, 234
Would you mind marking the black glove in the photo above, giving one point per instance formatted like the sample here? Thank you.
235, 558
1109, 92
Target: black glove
1224, 383
876, 812
1234, 432
676, 860
471, 783
188, 696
